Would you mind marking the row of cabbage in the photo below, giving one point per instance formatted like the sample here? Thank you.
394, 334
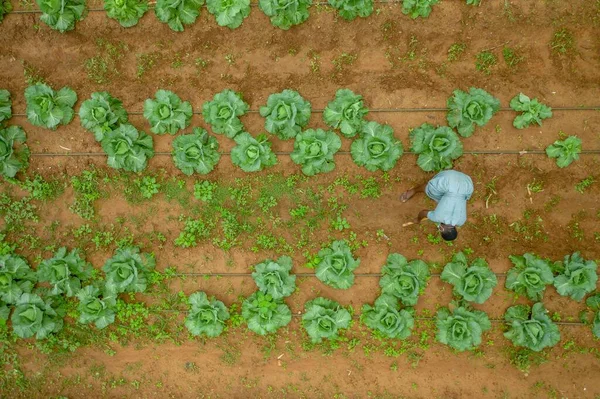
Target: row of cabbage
39, 311
286, 116
62, 15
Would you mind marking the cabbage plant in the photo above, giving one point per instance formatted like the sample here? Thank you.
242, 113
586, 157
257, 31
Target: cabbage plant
529, 276
5, 104
36, 316
336, 265
167, 113
96, 306
252, 154
314, 150
127, 12
64, 271
229, 13
274, 279
418, 8
532, 111
224, 111
467, 110
437, 147
264, 314
102, 114
197, 152
61, 15
387, 319
565, 151
531, 327
128, 270
461, 328
285, 13
473, 2
286, 114
577, 276
323, 319
346, 112
5, 8
593, 302
472, 282
48, 108
376, 148
350, 9
404, 280
13, 157
177, 13
206, 316
16, 278
127, 148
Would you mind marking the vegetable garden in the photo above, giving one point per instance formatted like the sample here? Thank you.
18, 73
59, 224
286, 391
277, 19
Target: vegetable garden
203, 202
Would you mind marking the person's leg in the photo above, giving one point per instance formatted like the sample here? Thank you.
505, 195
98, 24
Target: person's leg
405, 196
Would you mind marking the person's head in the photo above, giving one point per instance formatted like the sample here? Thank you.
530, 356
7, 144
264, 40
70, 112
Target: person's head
448, 232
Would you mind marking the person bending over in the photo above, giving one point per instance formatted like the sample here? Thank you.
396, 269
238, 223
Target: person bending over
451, 190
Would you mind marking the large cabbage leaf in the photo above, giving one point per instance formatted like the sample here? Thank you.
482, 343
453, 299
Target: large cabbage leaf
532, 111
350, 9
531, 327
593, 302
264, 314
252, 154
323, 318
461, 329
16, 278
274, 278
229, 13
376, 148
336, 265
387, 319
167, 113
96, 306
177, 13
474, 282
127, 12
197, 152
61, 15
13, 158
47, 108
286, 114
465, 110
404, 280
436, 147
5, 105
346, 112
223, 112
565, 151
418, 8
127, 148
128, 270
64, 271
206, 316
35, 316
285, 13
314, 150
101, 114
577, 277
529, 276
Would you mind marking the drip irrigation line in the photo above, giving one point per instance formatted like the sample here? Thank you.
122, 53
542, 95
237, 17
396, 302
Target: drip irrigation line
192, 274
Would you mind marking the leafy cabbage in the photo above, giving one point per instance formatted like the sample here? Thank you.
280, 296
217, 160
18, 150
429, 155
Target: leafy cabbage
594, 303
531, 111
346, 112
404, 280
47, 108
376, 148
61, 15
177, 13
436, 147
101, 114
465, 110
577, 277
64, 271
350, 9
285, 13
418, 8
286, 114
197, 152
336, 265
34, 316
167, 113
323, 318
473, 2
565, 151
5, 103
387, 318
96, 306
223, 112
314, 150
461, 329
229, 13
12, 158
473, 283
531, 327
127, 148
127, 12
128, 270
264, 314
252, 154
529, 276
206, 317
16, 278
274, 279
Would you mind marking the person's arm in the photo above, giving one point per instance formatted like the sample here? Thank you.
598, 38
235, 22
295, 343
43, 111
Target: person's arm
422, 216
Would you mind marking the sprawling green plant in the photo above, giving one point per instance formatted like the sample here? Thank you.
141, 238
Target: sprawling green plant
376, 148
350, 9
264, 314
35, 316
529, 276
286, 114
593, 302
16, 278
96, 306
64, 271
101, 114
177, 13
4, 314
531, 327
418, 8
61, 15
473, 2
473, 283
197, 152
223, 112
285, 13
167, 113
47, 108
532, 111
127, 12
5, 103
12, 158
206, 317
274, 278
436, 147
323, 318
461, 329
229, 13
387, 318
404, 280
128, 270
127, 148
577, 276
465, 110
346, 112
565, 151
314, 150
252, 154
336, 265
5, 8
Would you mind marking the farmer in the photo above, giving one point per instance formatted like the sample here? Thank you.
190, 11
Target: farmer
451, 190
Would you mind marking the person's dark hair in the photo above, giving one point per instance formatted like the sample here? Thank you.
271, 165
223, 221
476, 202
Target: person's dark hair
449, 233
